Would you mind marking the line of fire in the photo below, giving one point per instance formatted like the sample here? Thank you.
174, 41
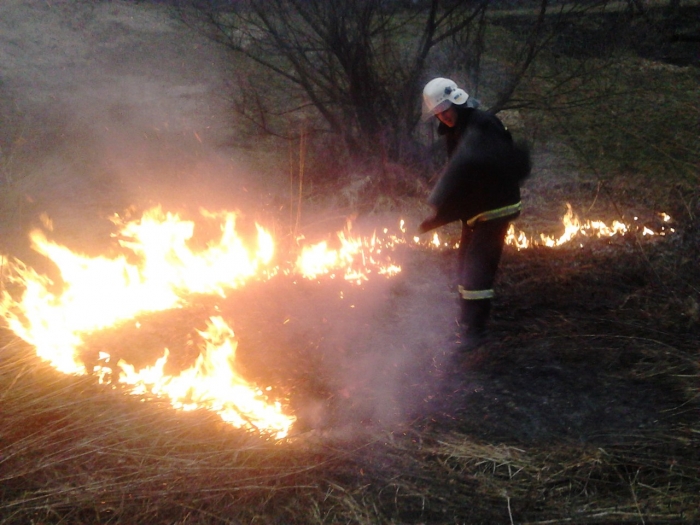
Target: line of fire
69, 315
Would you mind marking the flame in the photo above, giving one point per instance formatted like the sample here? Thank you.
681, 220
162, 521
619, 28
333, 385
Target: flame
573, 228
160, 240
355, 259
158, 273
212, 383
98, 292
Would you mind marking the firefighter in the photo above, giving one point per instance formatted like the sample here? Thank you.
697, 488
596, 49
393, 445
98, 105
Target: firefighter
480, 186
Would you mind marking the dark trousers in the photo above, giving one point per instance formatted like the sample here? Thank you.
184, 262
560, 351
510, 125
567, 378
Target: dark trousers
480, 250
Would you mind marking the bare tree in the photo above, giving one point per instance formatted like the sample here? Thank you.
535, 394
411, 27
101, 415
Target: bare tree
355, 68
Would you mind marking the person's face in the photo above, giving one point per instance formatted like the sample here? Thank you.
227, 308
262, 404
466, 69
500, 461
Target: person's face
448, 117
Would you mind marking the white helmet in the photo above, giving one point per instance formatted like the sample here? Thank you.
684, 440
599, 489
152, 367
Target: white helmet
439, 93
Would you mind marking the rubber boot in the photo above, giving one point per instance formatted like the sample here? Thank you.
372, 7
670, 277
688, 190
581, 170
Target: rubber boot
475, 314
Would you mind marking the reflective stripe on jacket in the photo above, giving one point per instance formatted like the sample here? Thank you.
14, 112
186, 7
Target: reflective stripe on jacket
512, 210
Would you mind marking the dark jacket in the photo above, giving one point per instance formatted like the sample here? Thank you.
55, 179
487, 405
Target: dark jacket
484, 171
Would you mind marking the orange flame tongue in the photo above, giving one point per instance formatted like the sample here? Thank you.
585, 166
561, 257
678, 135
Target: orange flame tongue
168, 262
212, 383
355, 259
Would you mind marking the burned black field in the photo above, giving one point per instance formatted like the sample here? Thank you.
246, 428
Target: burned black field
588, 361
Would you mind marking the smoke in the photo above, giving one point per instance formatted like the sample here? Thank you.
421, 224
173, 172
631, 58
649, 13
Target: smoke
352, 355
114, 105
118, 107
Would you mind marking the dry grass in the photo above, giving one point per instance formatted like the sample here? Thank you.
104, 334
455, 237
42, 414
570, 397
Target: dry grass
77, 452
103, 459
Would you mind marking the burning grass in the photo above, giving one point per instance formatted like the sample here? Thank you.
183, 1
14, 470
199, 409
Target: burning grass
83, 454
582, 409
